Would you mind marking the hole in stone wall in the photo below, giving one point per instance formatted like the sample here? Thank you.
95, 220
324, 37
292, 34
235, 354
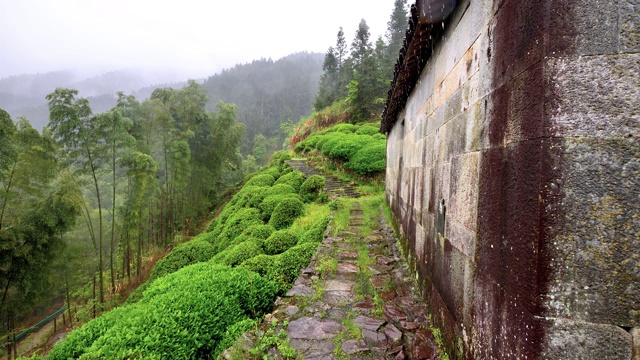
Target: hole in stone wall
441, 219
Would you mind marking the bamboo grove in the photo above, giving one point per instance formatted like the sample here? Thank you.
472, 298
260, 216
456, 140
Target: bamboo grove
91, 194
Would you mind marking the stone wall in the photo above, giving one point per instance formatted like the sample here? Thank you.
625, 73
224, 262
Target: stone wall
514, 175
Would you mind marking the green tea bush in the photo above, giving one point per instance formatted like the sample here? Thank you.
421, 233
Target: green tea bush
311, 188
279, 157
273, 171
287, 266
369, 160
315, 233
348, 146
286, 212
217, 225
270, 203
333, 140
345, 128
232, 334
260, 264
236, 224
183, 315
259, 231
368, 130
245, 250
246, 197
279, 242
185, 254
278, 189
260, 180
379, 136
293, 179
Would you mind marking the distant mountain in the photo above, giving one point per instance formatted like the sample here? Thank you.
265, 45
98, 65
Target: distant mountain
265, 91
268, 92
24, 95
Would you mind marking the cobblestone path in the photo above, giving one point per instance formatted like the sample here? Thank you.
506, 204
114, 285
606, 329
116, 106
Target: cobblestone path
355, 300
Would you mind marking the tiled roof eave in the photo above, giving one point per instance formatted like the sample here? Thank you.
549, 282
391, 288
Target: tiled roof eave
417, 49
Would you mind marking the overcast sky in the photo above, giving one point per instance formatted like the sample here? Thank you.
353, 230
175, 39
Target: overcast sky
196, 37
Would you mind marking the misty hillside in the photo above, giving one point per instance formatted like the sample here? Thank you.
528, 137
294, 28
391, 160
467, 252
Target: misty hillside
24, 95
268, 92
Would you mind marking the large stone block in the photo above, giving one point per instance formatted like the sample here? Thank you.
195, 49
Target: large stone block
583, 27
595, 257
568, 339
629, 26
595, 96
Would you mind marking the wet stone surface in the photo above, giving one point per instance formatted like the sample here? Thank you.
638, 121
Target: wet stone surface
356, 310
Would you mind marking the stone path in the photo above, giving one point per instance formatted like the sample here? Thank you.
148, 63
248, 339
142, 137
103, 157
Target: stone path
333, 185
355, 300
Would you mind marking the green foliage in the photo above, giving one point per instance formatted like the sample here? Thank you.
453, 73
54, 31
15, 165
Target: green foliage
348, 146
252, 196
362, 153
369, 160
279, 242
293, 179
273, 171
261, 180
311, 188
368, 130
289, 264
183, 315
259, 231
279, 157
286, 212
239, 253
344, 128
231, 335
281, 189
236, 224
191, 252
315, 233
261, 264
270, 203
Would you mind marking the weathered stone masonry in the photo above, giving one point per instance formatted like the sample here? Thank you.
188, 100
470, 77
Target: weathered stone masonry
521, 118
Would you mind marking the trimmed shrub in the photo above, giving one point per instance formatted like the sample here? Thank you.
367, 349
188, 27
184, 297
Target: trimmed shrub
293, 179
260, 180
260, 264
368, 130
260, 231
185, 254
270, 203
235, 255
315, 233
279, 242
273, 171
345, 128
248, 195
242, 219
311, 188
181, 316
369, 160
379, 136
217, 225
348, 146
232, 334
288, 265
286, 212
281, 189
333, 140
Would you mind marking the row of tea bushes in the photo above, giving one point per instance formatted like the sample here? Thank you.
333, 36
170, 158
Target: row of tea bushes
361, 148
209, 290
